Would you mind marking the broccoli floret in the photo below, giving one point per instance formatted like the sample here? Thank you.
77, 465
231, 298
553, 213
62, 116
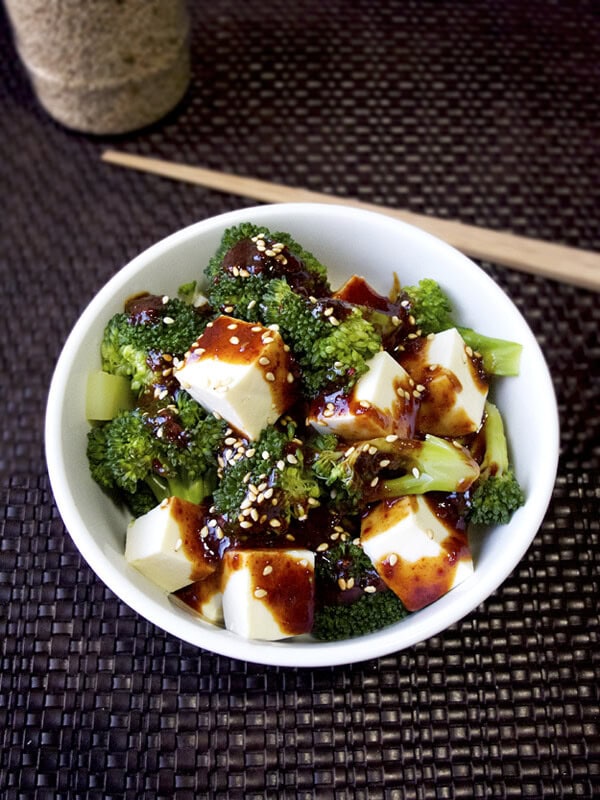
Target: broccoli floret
248, 258
139, 452
499, 356
497, 493
265, 485
369, 613
137, 340
429, 306
432, 312
385, 468
351, 598
330, 339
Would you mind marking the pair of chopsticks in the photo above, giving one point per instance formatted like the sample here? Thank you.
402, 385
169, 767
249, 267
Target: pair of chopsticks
534, 256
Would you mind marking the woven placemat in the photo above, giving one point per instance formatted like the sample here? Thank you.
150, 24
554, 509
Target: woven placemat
482, 111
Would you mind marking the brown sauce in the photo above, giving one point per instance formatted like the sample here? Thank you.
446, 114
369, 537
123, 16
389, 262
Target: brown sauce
254, 258
285, 584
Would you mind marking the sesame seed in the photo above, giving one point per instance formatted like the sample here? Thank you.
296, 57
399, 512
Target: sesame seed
204, 532
375, 481
290, 537
245, 524
244, 273
385, 462
370, 589
232, 326
334, 321
416, 472
168, 320
265, 455
264, 361
469, 351
328, 311
342, 584
416, 394
165, 299
395, 321
275, 523
251, 304
281, 465
256, 328
420, 387
393, 560
230, 440
364, 404
372, 450
349, 451
391, 438
350, 583
178, 544
258, 592
289, 377
334, 537
250, 452
234, 340
322, 547
312, 501
267, 339
267, 570
303, 562
270, 377
291, 458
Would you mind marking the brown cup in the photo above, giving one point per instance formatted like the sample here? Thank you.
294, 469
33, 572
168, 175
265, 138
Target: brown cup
106, 66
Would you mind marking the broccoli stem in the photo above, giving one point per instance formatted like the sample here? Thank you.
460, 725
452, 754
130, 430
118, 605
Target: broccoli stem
500, 356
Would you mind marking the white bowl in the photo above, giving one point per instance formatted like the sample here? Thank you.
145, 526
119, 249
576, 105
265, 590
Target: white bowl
347, 241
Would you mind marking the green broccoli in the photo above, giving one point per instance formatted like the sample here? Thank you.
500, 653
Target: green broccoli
385, 468
429, 306
351, 597
497, 493
248, 258
264, 485
152, 450
432, 312
141, 342
330, 339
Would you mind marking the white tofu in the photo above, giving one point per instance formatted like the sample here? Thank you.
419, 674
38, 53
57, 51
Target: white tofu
160, 545
241, 371
205, 597
268, 594
380, 403
416, 554
454, 392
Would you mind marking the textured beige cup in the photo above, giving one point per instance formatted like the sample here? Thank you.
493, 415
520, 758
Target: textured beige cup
104, 66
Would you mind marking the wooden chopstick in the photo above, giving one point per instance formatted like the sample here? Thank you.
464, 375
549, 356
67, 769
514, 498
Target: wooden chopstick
567, 264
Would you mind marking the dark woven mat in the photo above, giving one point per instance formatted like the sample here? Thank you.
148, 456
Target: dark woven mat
483, 111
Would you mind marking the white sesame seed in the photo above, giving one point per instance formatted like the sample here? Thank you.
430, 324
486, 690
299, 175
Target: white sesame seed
385, 462
374, 482
258, 592
416, 472
267, 570
342, 584
265, 455
334, 321
264, 361
168, 320
275, 523
245, 524
391, 438
270, 377
322, 547
393, 560
291, 458
178, 544
234, 340
350, 583
370, 589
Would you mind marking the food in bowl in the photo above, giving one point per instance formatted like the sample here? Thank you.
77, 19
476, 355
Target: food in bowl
348, 241
299, 459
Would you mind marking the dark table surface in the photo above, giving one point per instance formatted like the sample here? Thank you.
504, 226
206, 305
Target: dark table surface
487, 112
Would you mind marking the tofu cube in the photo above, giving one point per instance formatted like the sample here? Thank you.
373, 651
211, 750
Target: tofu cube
417, 554
205, 597
268, 593
241, 371
381, 402
164, 545
454, 390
